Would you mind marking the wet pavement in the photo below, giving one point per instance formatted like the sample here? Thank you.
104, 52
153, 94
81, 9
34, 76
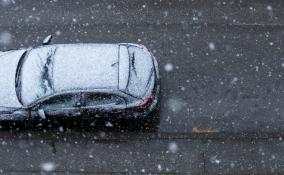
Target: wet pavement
222, 70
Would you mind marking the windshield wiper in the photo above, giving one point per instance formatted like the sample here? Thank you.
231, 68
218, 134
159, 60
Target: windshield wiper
18, 76
133, 63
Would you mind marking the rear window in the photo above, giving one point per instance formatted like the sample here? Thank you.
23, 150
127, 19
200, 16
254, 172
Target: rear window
141, 71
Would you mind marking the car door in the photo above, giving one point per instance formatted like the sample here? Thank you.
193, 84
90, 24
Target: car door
64, 105
103, 104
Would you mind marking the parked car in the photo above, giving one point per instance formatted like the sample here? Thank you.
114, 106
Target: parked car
70, 80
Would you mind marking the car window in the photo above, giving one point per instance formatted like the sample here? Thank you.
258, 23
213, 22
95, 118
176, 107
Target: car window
60, 102
94, 99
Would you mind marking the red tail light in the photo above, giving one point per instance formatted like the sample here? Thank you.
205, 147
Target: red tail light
147, 102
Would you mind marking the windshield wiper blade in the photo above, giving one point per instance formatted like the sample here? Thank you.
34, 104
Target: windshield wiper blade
18, 76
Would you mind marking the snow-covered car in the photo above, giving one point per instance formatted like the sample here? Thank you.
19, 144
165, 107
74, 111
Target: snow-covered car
69, 80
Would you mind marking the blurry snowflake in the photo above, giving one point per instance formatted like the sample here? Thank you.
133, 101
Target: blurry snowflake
5, 38
256, 68
61, 129
234, 81
173, 147
47, 166
282, 64
102, 134
4, 143
6, 3
214, 159
175, 104
211, 46
195, 18
232, 165
58, 32
169, 67
166, 13
159, 167
109, 7
269, 7
109, 124
91, 156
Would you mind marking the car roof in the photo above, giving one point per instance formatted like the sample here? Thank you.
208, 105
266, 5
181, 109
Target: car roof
86, 66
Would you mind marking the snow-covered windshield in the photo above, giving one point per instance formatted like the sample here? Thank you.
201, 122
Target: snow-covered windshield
36, 74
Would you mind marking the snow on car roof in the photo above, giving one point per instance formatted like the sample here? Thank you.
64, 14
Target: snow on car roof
85, 66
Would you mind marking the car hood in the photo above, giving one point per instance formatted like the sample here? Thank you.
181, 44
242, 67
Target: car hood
8, 65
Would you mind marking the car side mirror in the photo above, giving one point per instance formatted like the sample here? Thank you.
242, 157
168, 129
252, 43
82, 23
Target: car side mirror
47, 40
41, 113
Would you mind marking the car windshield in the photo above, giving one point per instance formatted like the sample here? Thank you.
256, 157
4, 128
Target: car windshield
35, 75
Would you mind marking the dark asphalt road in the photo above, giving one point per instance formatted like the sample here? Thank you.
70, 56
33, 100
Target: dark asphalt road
222, 69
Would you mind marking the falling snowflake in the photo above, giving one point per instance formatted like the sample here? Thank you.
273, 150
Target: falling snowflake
109, 124
58, 32
211, 46
61, 129
269, 7
5, 38
159, 167
169, 67
234, 81
173, 147
214, 159
175, 104
6, 3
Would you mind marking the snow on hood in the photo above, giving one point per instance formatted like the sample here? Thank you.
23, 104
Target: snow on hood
9, 61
